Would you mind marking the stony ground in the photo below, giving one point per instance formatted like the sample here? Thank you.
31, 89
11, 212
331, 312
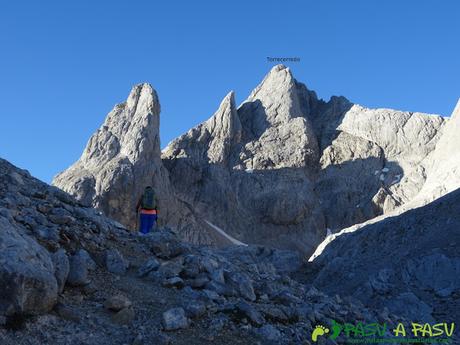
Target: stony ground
280, 312
85, 320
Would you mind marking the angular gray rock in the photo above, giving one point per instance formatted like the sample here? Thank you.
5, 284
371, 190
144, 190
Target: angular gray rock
175, 319
61, 268
170, 269
27, 281
175, 282
241, 283
150, 265
90, 263
115, 262
78, 270
195, 309
269, 332
117, 303
246, 310
165, 245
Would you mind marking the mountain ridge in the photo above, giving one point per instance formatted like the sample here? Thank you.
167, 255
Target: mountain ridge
284, 164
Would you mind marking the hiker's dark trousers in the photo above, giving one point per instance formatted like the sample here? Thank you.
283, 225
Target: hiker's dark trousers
147, 223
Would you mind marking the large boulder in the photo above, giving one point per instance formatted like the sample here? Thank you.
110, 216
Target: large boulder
175, 319
79, 265
27, 281
61, 268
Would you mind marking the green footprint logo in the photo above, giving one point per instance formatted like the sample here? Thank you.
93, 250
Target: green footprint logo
319, 330
336, 329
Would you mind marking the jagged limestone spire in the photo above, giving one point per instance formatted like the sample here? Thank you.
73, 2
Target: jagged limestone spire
225, 129
121, 158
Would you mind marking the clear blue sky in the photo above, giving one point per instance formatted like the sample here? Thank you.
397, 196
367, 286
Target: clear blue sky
64, 64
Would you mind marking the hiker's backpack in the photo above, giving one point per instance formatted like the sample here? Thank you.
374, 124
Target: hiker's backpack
148, 199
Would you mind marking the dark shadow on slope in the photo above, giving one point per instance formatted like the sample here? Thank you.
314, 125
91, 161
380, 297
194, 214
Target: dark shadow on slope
413, 256
346, 190
253, 118
15, 322
326, 118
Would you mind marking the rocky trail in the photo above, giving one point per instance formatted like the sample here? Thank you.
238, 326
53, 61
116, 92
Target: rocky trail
81, 316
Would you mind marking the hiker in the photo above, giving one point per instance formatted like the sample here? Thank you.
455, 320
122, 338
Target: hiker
147, 208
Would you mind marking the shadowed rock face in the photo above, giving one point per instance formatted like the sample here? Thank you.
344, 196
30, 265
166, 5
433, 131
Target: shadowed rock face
249, 169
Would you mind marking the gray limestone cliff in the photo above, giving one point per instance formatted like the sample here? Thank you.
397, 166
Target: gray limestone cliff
437, 174
292, 166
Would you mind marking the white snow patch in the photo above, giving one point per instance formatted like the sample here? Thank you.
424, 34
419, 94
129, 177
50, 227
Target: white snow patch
223, 233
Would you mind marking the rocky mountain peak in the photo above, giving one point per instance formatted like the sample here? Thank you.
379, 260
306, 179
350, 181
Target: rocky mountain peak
225, 129
121, 158
130, 129
276, 97
277, 111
